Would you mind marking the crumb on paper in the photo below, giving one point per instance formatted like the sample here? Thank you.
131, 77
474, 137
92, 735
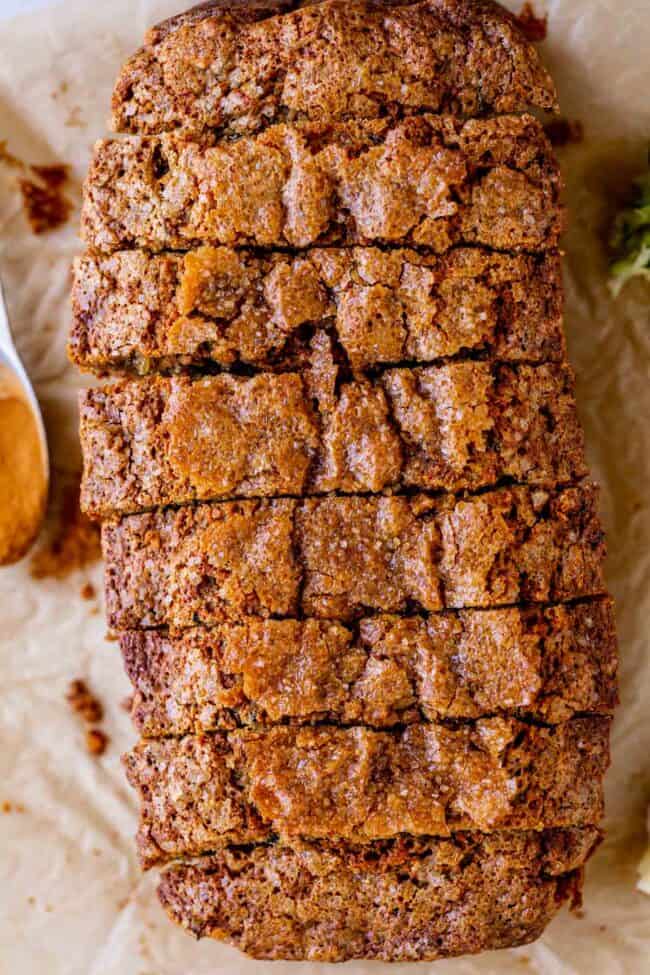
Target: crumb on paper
74, 545
533, 26
46, 206
75, 119
88, 591
96, 741
564, 131
42, 190
84, 703
127, 703
12, 807
8, 159
88, 706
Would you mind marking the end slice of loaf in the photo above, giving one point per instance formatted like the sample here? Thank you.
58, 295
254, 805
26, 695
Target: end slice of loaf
334, 60
402, 900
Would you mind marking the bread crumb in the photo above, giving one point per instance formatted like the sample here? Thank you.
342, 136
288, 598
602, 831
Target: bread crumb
46, 206
84, 702
75, 542
8, 159
11, 807
96, 741
75, 119
563, 131
533, 26
127, 703
88, 591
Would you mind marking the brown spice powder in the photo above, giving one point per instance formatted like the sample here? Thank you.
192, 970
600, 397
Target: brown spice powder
22, 483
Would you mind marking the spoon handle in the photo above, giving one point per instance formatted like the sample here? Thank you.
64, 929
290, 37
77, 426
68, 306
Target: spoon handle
14, 376
7, 347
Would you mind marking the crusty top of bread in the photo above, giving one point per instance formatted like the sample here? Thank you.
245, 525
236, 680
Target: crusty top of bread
239, 68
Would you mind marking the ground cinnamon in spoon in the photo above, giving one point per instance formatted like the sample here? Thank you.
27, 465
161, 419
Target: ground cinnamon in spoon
22, 481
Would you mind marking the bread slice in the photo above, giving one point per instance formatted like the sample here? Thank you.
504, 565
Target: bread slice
159, 441
401, 900
358, 784
334, 60
547, 663
135, 311
338, 558
430, 181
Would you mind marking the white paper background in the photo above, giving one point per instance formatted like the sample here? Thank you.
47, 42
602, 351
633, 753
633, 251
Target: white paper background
71, 898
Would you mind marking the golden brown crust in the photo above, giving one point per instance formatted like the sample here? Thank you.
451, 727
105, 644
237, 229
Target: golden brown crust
330, 61
337, 558
429, 181
399, 702
548, 663
402, 900
153, 442
358, 784
236, 13
142, 312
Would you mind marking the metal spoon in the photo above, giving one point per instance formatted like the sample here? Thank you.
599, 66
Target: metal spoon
24, 459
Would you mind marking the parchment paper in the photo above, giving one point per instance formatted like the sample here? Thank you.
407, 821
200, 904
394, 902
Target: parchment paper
71, 897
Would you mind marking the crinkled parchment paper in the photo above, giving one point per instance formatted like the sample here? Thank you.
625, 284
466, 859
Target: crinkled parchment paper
71, 897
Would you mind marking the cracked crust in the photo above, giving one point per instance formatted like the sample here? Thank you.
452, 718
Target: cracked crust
402, 900
239, 72
545, 663
428, 181
358, 784
235, 14
338, 558
135, 311
154, 442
